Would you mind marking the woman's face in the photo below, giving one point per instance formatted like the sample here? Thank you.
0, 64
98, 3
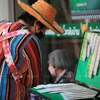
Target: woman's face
37, 28
51, 69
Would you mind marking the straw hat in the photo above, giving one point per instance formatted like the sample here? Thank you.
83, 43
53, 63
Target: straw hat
43, 12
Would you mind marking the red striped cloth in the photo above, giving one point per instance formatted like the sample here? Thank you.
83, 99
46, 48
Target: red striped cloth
28, 64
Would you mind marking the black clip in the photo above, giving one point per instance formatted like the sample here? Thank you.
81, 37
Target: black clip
96, 96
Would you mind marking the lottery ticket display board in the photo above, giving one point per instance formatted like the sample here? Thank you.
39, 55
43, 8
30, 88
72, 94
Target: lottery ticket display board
88, 68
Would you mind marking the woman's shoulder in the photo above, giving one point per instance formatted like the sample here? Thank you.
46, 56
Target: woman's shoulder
69, 77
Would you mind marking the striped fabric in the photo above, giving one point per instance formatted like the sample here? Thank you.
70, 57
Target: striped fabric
26, 53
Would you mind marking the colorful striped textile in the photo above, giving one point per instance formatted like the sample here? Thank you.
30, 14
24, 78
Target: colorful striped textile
26, 54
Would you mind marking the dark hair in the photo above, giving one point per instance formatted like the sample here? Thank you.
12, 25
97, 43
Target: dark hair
27, 18
30, 2
61, 59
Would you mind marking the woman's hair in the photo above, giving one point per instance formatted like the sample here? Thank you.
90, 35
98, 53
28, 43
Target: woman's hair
29, 19
30, 2
61, 59
26, 17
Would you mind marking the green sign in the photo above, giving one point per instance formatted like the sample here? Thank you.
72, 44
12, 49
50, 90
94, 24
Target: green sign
94, 26
85, 9
79, 5
71, 30
74, 29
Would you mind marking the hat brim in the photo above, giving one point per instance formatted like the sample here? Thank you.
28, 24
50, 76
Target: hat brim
53, 26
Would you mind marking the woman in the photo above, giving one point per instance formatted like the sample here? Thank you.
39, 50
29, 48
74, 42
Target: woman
61, 66
20, 52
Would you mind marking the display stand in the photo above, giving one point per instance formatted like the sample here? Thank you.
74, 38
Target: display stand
88, 68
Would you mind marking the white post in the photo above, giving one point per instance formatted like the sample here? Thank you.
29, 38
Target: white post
6, 10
